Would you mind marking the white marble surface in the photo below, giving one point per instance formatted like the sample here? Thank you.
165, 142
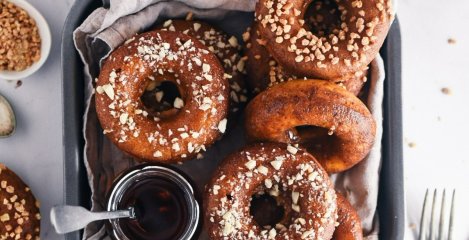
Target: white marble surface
434, 122
35, 150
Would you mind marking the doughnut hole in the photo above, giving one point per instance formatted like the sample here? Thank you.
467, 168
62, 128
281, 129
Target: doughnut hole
266, 210
162, 98
322, 17
321, 142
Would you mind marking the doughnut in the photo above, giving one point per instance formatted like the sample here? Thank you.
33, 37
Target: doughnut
355, 82
264, 71
346, 48
333, 124
349, 224
280, 172
227, 50
197, 118
19, 213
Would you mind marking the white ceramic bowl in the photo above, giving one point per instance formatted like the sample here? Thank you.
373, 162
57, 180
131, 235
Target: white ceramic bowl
44, 33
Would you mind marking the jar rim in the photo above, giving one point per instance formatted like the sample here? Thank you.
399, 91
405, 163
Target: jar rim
145, 171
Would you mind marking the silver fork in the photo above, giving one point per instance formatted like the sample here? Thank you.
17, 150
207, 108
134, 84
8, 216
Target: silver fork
428, 223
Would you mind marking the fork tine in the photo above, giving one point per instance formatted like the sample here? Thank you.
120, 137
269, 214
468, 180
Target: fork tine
432, 217
451, 216
441, 228
423, 226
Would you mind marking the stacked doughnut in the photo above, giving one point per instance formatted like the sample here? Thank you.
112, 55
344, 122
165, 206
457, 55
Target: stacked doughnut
313, 57
307, 61
329, 40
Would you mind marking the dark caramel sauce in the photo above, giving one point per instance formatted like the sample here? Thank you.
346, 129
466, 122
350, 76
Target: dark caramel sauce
160, 208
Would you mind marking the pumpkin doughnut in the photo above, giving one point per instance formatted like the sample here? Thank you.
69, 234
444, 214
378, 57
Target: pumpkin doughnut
198, 117
349, 47
350, 226
341, 130
227, 50
282, 172
264, 71
19, 211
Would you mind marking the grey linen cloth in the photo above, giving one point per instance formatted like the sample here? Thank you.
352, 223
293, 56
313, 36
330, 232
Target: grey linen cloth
105, 29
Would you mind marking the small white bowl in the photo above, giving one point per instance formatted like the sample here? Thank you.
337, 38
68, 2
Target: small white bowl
44, 33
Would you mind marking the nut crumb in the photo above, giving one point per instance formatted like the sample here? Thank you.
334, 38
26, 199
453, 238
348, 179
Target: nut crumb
412, 144
19, 83
446, 91
451, 41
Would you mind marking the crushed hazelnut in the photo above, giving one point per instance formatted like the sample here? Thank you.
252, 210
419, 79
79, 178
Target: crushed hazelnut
20, 44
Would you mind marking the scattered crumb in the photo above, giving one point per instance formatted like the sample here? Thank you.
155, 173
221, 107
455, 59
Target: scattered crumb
451, 41
412, 226
446, 91
18, 83
411, 144
189, 16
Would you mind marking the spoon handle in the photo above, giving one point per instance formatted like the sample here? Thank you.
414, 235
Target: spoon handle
71, 218
113, 215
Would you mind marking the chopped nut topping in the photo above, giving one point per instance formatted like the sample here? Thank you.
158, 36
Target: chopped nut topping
178, 103
109, 90
250, 164
295, 196
197, 26
263, 170
20, 44
222, 125
291, 149
5, 217
233, 41
277, 164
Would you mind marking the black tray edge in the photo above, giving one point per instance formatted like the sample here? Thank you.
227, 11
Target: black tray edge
391, 207
391, 176
75, 176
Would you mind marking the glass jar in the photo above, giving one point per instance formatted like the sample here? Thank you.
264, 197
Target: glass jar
165, 201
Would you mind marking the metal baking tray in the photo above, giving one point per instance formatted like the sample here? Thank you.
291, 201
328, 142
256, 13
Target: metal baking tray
76, 189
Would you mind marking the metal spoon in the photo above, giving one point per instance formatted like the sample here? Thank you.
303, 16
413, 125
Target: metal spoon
7, 118
67, 219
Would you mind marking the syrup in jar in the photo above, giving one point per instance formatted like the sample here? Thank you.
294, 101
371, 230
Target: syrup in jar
164, 202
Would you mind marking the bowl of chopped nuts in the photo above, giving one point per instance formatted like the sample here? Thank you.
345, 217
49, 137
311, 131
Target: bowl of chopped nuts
25, 39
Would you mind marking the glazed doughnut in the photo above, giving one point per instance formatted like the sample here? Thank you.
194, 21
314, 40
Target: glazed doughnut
340, 128
227, 50
264, 71
199, 115
282, 172
347, 49
19, 211
349, 224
